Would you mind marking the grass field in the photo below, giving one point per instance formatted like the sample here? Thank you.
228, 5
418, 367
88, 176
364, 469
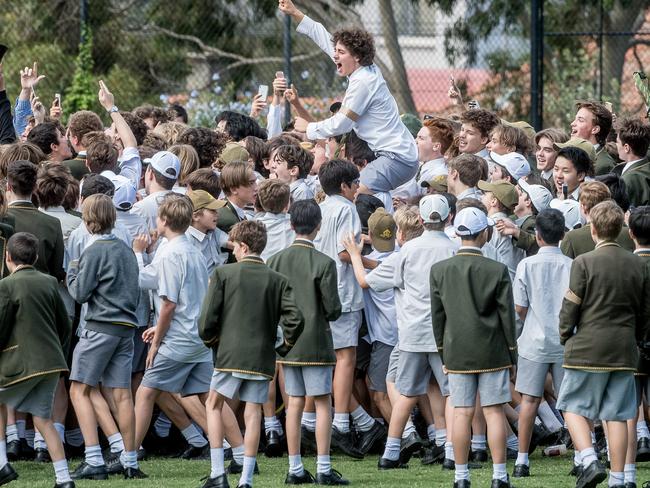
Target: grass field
171, 473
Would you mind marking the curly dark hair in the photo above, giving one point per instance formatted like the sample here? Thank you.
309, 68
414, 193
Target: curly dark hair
208, 143
483, 120
359, 42
137, 126
239, 126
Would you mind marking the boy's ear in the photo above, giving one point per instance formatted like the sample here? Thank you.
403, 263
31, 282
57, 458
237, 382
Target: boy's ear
294, 171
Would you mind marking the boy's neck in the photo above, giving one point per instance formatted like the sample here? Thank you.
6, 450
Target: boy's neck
307, 237
493, 211
250, 255
237, 202
13, 197
460, 187
471, 243
201, 229
523, 213
171, 235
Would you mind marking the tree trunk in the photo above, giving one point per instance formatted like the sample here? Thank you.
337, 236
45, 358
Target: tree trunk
396, 78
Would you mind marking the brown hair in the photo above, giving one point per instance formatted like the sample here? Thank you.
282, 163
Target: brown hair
137, 126
273, 196
483, 120
93, 136
607, 218
189, 159
636, 134
20, 151
170, 131
52, 184
176, 210
296, 156
407, 219
208, 143
158, 114
21, 176
258, 149
513, 137
98, 213
469, 167
440, 131
592, 193
234, 175
101, 156
82, 122
359, 42
251, 233
204, 179
552, 134
602, 118
71, 199
155, 140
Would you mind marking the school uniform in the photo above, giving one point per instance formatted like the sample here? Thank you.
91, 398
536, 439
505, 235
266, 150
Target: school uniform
77, 166
227, 217
526, 240
508, 253
473, 192
578, 241
340, 218
604, 162
636, 175
34, 335
540, 284
643, 368
300, 190
248, 300
147, 208
603, 314
472, 312
279, 234
308, 366
210, 245
68, 221
6, 231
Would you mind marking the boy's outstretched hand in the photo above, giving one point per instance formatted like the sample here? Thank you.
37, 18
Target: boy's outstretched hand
287, 7
106, 98
140, 243
353, 247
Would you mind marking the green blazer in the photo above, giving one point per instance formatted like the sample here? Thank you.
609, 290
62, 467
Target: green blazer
644, 364
473, 313
6, 231
49, 233
605, 311
579, 241
526, 239
227, 217
637, 183
239, 319
604, 163
34, 327
312, 275
77, 167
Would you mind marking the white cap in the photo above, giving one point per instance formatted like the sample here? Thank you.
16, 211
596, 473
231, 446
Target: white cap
538, 194
434, 203
124, 196
166, 163
516, 164
571, 211
471, 220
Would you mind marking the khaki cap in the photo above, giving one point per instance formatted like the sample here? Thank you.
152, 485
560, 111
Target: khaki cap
234, 152
503, 191
202, 199
382, 228
580, 143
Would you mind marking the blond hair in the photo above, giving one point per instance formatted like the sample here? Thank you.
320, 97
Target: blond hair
98, 213
234, 175
592, 193
273, 196
189, 159
170, 131
176, 211
606, 219
407, 219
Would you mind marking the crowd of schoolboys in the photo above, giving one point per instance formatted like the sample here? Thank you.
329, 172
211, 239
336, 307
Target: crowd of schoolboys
169, 289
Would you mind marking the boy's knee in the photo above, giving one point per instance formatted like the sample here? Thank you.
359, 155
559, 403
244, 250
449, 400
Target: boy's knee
214, 401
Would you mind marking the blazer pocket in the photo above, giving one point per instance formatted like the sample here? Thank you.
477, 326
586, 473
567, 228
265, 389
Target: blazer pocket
11, 362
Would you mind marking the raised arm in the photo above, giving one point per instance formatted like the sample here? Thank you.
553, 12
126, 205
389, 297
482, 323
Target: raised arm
312, 29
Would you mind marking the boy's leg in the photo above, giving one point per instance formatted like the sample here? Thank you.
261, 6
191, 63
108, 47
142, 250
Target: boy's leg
496, 430
462, 432
630, 455
343, 379
252, 419
617, 440
324, 473
527, 414
272, 427
55, 448
83, 406
479, 438
106, 421
7, 472
144, 400
292, 423
213, 407
126, 419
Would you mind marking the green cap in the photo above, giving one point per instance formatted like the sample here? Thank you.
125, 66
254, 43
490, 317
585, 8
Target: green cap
382, 229
437, 183
580, 143
503, 191
234, 152
523, 125
202, 199
412, 123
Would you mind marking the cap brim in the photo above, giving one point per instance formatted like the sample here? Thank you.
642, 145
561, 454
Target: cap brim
214, 205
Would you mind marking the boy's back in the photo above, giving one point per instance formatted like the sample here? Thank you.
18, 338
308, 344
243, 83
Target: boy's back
279, 232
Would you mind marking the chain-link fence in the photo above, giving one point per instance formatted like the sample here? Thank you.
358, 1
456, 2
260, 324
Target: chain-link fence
213, 54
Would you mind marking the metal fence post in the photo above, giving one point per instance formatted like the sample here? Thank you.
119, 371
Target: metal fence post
537, 63
287, 64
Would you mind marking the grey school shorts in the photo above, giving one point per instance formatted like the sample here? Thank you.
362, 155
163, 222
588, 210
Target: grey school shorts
414, 372
387, 172
531, 376
378, 368
102, 358
300, 381
175, 377
393, 364
345, 330
140, 350
493, 387
607, 395
35, 395
249, 391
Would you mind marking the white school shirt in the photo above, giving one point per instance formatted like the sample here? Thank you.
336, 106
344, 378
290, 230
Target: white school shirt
300, 190
68, 221
473, 192
147, 208
340, 217
412, 276
313, 183
431, 169
209, 245
274, 121
279, 234
381, 314
179, 274
373, 110
627, 165
509, 254
540, 284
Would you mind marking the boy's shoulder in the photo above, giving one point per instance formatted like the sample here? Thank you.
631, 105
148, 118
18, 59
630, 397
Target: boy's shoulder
290, 256
31, 275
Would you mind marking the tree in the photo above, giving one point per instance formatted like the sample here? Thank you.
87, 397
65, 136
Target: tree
82, 93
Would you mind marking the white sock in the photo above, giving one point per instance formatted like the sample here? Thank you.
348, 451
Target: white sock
461, 473
129, 459
94, 455
323, 464
272, 423
217, 467
61, 471
308, 421
39, 441
74, 437
60, 429
247, 471
409, 428
441, 437
522, 458
20, 424
431, 432
193, 436
238, 454
3, 453
577, 459
116, 442
616, 478
449, 450
29, 437
641, 430
548, 417
630, 473
342, 422
479, 442
499, 472
588, 456
362, 420
512, 442
12, 433
162, 425
392, 448
295, 465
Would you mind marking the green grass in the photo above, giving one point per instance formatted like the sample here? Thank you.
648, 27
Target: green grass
172, 473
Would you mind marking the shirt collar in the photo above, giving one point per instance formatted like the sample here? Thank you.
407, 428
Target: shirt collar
196, 233
470, 250
22, 202
252, 259
607, 244
629, 165
470, 193
546, 174
643, 250
295, 184
239, 211
549, 250
57, 209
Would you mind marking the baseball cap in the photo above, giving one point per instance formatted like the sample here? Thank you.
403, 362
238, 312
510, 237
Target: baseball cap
538, 194
234, 152
437, 183
571, 211
580, 143
516, 164
124, 196
471, 220
503, 191
433, 203
528, 129
167, 164
202, 199
382, 229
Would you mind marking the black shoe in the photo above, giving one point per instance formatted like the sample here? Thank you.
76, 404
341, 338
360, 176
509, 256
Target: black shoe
13, 450
521, 471
87, 472
307, 441
227, 454
479, 456
629, 484
332, 478
591, 475
576, 470
501, 484
246, 485
141, 454
194, 452
273, 447
218, 482
7, 474
305, 479
71, 451
365, 440
344, 443
409, 446
643, 450
235, 468
26, 452
462, 484
67, 484
134, 474
511, 453
432, 455
42, 455
448, 464
113, 463
384, 463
